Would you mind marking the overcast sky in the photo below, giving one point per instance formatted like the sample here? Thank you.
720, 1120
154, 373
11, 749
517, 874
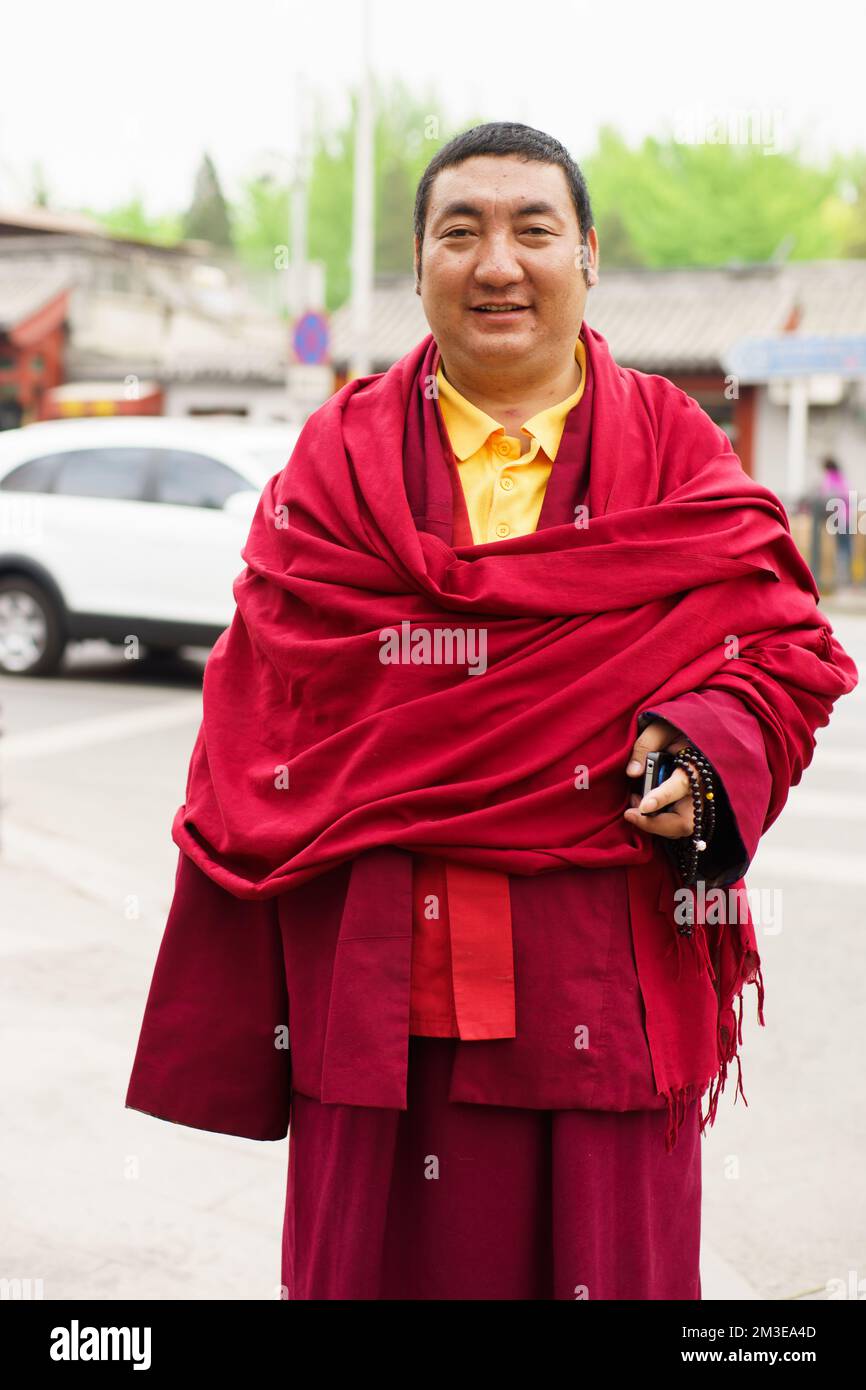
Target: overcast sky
117, 100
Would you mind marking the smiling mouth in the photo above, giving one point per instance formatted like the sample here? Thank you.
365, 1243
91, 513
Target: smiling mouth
501, 311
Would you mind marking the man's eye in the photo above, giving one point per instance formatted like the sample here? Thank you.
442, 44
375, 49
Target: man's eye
544, 230
458, 231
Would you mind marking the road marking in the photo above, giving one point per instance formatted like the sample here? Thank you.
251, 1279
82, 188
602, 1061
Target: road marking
84, 733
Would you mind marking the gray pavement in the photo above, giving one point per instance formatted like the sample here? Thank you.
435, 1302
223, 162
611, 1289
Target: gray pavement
100, 1202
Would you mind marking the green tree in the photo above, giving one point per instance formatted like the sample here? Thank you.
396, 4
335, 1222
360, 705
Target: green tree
662, 203
41, 195
131, 220
409, 128
669, 203
261, 221
207, 218
845, 212
329, 204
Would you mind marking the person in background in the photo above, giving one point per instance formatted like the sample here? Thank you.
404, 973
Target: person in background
834, 490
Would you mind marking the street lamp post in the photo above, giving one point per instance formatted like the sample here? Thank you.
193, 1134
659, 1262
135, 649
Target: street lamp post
362, 211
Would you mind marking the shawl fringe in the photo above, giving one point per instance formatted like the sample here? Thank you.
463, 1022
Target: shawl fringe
729, 1036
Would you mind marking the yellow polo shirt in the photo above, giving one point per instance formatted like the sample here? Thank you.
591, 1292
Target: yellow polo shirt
504, 490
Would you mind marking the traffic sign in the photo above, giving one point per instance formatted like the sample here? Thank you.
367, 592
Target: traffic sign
794, 355
311, 339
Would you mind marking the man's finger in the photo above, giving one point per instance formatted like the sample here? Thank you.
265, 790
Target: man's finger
673, 788
672, 824
654, 737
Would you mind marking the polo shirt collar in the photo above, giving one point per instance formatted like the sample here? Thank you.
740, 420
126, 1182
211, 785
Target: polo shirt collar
469, 427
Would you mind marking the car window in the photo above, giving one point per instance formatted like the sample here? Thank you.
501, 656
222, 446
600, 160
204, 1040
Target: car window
195, 480
36, 475
116, 472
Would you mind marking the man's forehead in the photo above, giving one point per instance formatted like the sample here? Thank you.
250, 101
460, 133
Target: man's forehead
488, 181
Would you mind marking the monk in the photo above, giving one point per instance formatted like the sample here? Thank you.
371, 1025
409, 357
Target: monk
426, 919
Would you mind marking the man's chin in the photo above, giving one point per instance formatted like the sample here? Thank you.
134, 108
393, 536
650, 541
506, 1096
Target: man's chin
499, 342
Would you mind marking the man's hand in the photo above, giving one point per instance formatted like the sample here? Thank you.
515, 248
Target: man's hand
674, 793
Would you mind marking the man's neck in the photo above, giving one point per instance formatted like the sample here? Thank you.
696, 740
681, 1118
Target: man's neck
512, 407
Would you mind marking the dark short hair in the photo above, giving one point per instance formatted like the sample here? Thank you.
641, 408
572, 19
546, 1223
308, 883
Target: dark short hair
504, 138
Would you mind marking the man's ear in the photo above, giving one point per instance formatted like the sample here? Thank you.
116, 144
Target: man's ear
592, 269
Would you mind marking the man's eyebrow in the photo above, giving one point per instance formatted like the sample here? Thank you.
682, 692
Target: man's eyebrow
459, 207
537, 209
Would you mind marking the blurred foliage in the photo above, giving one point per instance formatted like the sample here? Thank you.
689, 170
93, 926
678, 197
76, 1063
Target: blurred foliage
664, 202
261, 221
408, 131
845, 212
668, 203
40, 191
207, 218
131, 220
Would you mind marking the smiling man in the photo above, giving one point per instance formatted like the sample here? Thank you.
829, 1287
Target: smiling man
486, 947
499, 247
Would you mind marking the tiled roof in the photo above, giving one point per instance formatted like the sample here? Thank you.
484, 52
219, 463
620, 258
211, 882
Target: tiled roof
25, 288
223, 336
398, 322
680, 320
39, 219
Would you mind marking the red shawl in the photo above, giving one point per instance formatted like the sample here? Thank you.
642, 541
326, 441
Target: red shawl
659, 569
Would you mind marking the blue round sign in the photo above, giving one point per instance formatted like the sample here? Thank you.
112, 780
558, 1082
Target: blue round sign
310, 339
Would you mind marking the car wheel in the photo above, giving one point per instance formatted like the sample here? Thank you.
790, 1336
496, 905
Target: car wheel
31, 633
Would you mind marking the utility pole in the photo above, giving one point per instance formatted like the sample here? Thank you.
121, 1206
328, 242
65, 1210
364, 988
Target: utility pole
297, 230
363, 210
308, 380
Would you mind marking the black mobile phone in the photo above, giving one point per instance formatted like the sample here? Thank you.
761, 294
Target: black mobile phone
659, 767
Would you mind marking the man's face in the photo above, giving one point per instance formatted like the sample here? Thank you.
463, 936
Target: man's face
502, 230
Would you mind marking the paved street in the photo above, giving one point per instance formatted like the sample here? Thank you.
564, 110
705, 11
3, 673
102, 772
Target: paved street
101, 1202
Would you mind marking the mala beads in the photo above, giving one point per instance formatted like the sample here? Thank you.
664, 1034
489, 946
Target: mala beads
687, 852
704, 807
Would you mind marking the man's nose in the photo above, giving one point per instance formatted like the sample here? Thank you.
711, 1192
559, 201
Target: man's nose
497, 263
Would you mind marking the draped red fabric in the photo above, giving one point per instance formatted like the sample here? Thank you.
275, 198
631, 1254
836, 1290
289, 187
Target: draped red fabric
336, 719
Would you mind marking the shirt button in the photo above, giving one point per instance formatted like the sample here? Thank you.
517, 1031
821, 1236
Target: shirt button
506, 483
502, 529
503, 449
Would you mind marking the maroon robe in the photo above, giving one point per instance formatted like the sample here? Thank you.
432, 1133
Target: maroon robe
233, 975
451, 1201
552, 1142
227, 969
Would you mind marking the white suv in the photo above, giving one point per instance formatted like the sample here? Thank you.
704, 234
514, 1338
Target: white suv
125, 526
